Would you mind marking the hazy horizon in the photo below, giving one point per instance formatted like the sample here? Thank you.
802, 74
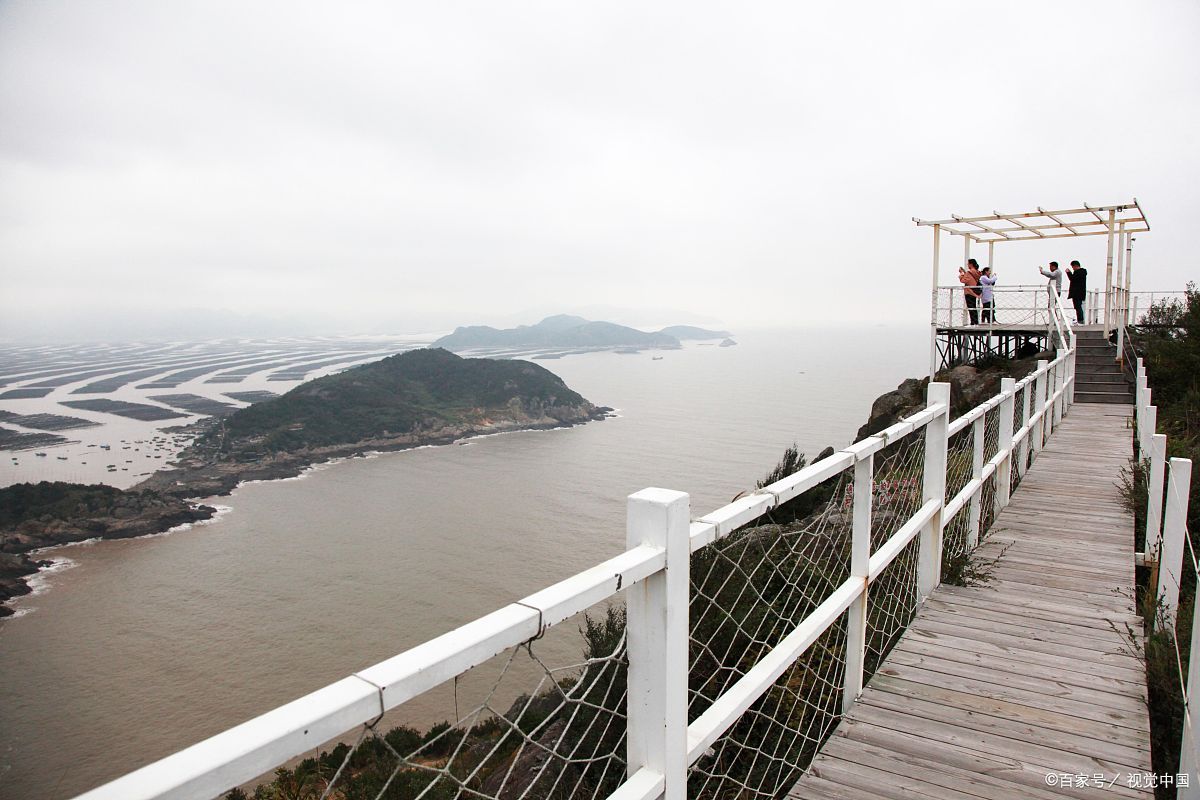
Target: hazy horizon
216, 168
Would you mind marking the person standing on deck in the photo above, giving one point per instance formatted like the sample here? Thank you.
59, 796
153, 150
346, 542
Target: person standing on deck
1054, 285
969, 278
986, 281
1077, 291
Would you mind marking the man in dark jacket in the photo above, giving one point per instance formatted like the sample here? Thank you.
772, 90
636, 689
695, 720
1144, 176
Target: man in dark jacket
1078, 289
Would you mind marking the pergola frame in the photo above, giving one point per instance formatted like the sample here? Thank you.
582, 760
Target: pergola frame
1042, 224
1117, 222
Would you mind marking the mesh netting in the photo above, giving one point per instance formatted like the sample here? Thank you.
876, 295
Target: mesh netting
547, 719
772, 744
749, 591
532, 730
893, 598
955, 536
991, 446
959, 451
1017, 468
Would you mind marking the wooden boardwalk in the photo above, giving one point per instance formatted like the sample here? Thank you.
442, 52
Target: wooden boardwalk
996, 687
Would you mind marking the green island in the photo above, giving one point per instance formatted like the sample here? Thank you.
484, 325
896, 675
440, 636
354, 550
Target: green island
421, 397
567, 331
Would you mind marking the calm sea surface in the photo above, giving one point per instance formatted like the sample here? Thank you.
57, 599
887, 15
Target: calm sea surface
141, 647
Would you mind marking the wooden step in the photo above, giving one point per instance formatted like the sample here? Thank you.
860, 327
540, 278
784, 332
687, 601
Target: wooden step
1124, 398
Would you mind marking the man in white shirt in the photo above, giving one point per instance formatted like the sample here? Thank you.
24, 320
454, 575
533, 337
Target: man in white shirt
1054, 285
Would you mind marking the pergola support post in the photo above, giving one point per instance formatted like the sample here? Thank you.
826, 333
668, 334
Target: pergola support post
1108, 276
937, 248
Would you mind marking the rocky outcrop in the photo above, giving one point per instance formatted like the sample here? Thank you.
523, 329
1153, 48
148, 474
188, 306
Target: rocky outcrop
969, 386
14, 570
200, 473
50, 514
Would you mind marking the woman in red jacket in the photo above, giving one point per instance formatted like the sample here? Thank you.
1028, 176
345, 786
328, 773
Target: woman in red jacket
969, 278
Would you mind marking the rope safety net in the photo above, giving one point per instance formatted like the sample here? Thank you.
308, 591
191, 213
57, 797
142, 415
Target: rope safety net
547, 719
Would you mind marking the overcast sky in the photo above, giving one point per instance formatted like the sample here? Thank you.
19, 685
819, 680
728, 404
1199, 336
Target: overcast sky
393, 167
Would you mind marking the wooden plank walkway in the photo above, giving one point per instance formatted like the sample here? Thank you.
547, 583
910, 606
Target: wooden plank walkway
995, 687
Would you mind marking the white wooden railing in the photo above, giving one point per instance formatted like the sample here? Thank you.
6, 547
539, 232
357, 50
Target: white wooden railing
653, 576
1168, 483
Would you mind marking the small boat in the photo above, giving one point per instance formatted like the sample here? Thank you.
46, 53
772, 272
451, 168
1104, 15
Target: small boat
40, 455
656, 358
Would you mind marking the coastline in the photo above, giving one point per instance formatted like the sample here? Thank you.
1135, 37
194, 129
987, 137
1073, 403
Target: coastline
24, 574
134, 515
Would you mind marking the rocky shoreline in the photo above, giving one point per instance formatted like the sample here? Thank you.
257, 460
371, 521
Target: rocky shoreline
199, 474
118, 515
162, 501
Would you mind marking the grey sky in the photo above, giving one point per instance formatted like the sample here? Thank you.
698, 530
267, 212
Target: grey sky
384, 166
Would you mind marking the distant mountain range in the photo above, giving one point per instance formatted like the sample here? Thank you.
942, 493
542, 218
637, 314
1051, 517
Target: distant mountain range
567, 331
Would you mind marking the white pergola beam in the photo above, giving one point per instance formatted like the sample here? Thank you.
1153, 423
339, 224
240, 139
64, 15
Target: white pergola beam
1043, 224
1052, 216
1044, 236
996, 216
989, 229
1014, 220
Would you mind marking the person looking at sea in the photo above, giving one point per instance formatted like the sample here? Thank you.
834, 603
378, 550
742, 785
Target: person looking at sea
1077, 291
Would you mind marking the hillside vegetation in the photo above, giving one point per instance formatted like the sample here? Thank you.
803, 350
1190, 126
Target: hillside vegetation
1168, 339
404, 394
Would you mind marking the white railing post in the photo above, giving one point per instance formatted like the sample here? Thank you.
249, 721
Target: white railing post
1170, 566
1140, 388
1005, 443
1038, 434
929, 569
975, 518
657, 629
1069, 394
1189, 758
1149, 419
1154, 495
1071, 370
860, 558
1060, 383
1048, 417
1023, 448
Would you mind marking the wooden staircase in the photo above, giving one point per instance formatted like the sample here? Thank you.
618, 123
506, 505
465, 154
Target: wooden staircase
1098, 376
